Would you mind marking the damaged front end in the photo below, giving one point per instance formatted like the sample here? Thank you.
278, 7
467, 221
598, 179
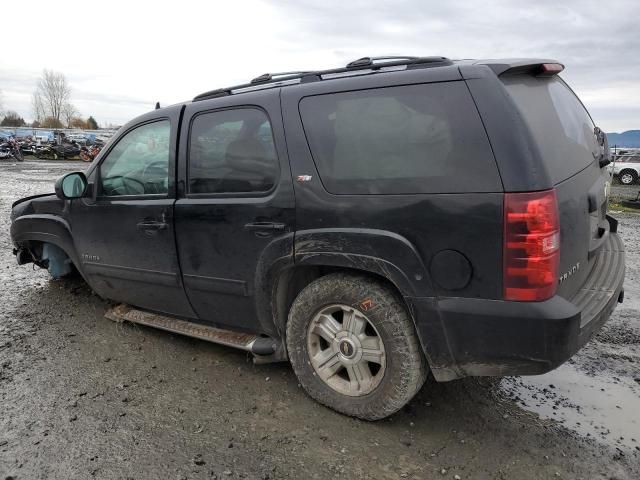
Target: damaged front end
46, 256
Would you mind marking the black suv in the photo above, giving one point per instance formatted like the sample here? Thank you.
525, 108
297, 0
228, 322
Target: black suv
370, 224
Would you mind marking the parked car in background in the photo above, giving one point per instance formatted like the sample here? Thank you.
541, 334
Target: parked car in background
626, 168
79, 138
370, 224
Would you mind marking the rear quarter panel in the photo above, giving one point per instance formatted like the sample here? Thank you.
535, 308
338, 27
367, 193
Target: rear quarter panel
469, 223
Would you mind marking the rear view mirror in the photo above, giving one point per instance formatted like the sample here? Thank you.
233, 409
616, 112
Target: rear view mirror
71, 185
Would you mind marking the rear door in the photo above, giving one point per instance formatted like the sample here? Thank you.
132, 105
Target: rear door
566, 139
236, 204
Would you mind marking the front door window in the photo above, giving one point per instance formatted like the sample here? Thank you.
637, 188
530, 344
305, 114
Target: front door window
139, 163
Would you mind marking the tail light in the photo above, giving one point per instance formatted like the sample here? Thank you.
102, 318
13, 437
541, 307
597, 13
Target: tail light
531, 245
550, 69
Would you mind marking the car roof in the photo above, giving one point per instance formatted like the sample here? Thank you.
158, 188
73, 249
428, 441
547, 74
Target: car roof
367, 66
371, 65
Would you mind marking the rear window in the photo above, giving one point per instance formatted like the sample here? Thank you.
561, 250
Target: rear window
559, 123
399, 140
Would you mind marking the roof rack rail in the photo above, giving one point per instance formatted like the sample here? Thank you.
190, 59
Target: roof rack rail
267, 77
218, 92
369, 61
271, 80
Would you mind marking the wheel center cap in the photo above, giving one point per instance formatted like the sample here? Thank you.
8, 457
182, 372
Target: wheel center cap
347, 349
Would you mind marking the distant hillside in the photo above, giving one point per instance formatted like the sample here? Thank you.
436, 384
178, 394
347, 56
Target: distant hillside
630, 138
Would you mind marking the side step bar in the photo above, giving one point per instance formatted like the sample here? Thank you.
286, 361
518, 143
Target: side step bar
263, 346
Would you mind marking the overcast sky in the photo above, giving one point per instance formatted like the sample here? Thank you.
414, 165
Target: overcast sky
120, 57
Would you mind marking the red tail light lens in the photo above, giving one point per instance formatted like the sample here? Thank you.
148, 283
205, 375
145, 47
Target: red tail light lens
531, 245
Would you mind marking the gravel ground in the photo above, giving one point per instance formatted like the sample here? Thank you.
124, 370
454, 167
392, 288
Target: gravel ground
82, 397
623, 192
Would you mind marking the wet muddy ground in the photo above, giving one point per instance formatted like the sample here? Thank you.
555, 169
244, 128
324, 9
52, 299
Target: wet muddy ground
82, 397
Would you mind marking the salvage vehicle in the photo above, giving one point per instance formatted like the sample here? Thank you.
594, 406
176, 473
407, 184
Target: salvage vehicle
64, 150
370, 224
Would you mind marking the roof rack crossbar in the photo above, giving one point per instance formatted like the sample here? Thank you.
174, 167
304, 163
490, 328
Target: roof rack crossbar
365, 63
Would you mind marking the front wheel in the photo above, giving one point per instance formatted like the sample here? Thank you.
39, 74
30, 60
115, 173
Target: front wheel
18, 155
628, 177
353, 346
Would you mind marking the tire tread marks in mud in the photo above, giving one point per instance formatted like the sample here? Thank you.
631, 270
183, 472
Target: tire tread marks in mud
406, 368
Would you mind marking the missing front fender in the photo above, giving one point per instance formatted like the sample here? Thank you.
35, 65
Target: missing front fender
47, 256
26, 255
23, 256
56, 261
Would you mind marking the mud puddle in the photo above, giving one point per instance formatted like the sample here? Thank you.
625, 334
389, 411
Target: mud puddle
602, 408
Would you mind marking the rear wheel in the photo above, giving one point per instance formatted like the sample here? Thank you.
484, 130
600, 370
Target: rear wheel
353, 346
628, 177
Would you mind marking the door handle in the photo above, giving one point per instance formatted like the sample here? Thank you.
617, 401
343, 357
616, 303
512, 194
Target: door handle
257, 226
151, 225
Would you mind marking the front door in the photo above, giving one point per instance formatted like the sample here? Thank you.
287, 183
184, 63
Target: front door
125, 234
237, 206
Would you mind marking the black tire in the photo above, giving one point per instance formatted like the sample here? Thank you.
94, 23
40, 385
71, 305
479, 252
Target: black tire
628, 177
18, 155
406, 368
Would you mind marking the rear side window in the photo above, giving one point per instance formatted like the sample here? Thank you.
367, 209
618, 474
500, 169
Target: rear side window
559, 123
400, 140
232, 151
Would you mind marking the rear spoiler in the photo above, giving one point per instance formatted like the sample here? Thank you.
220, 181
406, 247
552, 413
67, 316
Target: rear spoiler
537, 67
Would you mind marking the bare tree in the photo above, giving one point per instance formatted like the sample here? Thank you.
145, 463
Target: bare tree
39, 113
1, 103
68, 113
51, 95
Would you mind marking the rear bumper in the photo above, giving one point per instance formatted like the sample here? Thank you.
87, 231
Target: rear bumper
479, 337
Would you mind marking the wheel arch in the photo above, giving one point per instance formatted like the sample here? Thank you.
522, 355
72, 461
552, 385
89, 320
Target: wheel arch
386, 257
296, 259
44, 228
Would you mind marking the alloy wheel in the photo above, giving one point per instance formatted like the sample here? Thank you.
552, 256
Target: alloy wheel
345, 350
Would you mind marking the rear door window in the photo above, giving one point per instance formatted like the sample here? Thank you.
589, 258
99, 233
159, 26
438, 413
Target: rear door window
398, 140
559, 123
232, 151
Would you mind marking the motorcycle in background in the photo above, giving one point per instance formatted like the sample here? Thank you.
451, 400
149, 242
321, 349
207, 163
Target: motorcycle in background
55, 152
27, 147
10, 149
67, 150
46, 152
87, 154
